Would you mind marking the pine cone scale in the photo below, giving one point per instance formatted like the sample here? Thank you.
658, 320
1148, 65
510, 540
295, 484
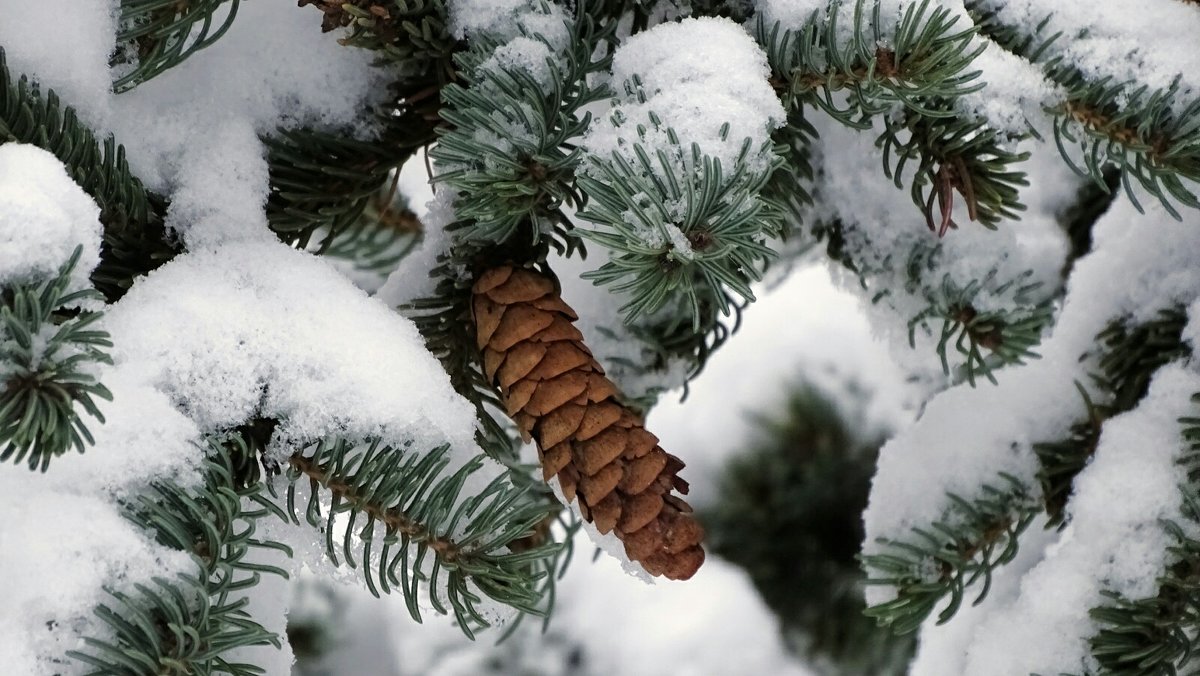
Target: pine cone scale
604, 458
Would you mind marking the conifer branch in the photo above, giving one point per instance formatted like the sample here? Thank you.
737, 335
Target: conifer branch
135, 240
410, 35
1146, 134
1156, 635
1009, 336
508, 150
1129, 358
954, 154
49, 352
189, 623
323, 183
156, 35
926, 58
973, 539
432, 535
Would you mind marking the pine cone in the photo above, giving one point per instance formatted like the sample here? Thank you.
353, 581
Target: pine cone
558, 395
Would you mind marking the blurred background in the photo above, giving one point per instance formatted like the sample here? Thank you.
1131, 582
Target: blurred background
780, 433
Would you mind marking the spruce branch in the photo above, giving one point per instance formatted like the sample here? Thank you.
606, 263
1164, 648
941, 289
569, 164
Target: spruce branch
410, 35
954, 154
1147, 134
509, 152
189, 623
156, 35
1132, 354
974, 538
135, 240
48, 357
322, 183
1156, 635
1009, 336
1129, 357
432, 535
927, 57
1062, 460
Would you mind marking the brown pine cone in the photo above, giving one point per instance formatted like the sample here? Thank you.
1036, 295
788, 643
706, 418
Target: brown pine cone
558, 395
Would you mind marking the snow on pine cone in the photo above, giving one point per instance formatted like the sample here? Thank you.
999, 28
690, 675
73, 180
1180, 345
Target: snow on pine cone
558, 395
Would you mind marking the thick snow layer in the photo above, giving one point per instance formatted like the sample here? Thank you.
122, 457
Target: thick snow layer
44, 216
261, 329
63, 44
1113, 544
1150, 43
697, 75
61, 547
193, 131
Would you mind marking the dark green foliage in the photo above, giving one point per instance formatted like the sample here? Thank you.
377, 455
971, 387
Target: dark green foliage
923, 70
434, 538
790, 514
155, 35
954, 154
48, 354
1154, 636
1110, 123
508, 149
1009, 336
409, 35
135, 240
724, 223
927, 57
940, 562
1062, 460
185, 625
786, 187
1131, 355
322, 183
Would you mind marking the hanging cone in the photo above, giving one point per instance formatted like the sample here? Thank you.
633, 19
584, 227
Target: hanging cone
559, 396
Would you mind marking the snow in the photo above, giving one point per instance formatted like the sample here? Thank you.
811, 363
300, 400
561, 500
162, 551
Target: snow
261, 329
193, 131
1109, 544
504, 20
696, 76
1015, 96
44, 217
71, 545
1150, 43
72, 58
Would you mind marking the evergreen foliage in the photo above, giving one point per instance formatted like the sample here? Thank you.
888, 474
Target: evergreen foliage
188, 624
978, 536
1125, 125
156, 35
135, 240
789, 513
421, 513
506, 141
50, 351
